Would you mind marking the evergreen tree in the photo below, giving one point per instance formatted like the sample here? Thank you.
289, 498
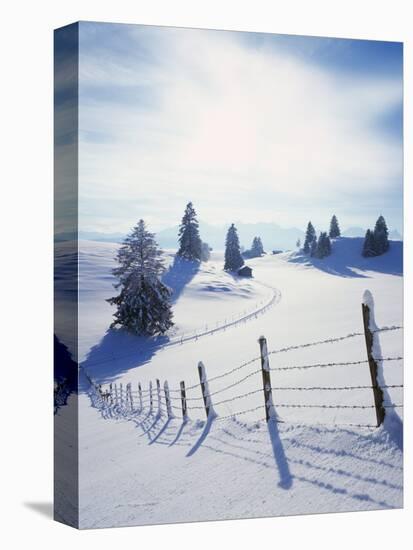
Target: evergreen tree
190, 244
313, 247
381, 236
368, 246
327, 245
233, 258
143, 304
323, 246
319, 251
257, 248
310, 235
260, 247
334, 228
252, 251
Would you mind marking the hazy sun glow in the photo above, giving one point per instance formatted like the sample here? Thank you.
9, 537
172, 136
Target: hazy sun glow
247, 132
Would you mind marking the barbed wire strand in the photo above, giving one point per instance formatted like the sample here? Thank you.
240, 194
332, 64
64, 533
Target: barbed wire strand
308, 406
332, 340
333, 364
332, 388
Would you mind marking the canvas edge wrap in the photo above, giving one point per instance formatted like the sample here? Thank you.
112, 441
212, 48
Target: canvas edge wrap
66, 417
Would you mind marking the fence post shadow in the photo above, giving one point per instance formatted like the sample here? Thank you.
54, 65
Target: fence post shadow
161, 431
286, 479
178, 433
147, 431
202, 437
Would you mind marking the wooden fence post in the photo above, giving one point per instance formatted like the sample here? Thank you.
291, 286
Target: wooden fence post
377, 391
130, 396
167, 399
116, 395
127, 396
183, 402
121, 395
111, 393
140, 396
209, 409
266, 379
158, 393
150, 397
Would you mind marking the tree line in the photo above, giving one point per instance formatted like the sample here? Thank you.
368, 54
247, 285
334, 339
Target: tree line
256, 250
143, 304
320, 247
376, 241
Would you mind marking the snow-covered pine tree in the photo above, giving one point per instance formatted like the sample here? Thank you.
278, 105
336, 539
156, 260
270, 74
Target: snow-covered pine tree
190, 244
252, 251
327, 245
313, 247
143, 304
319, 252
381, 236
334, 228
310, 235
368, 245
233, 258
257, 248
298, 243
323, 246
260, 247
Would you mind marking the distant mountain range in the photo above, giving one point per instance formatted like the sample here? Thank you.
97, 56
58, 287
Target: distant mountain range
273, 236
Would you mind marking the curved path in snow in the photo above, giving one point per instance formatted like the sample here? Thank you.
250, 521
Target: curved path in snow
274, 299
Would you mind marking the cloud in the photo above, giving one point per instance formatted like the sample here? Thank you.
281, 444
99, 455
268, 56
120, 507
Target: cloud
239, 130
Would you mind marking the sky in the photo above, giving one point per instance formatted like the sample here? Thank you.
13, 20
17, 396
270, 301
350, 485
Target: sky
249, 127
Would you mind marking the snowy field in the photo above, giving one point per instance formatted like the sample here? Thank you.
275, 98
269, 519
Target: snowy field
139, 467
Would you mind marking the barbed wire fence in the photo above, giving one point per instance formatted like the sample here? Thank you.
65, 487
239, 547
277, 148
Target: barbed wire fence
208, 329
161, 400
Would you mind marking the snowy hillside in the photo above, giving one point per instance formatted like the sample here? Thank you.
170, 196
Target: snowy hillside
204, 297
137, 466
346, 259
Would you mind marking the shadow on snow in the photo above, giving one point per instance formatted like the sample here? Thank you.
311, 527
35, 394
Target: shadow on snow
179, 275
346, 259
119, 350
310, 468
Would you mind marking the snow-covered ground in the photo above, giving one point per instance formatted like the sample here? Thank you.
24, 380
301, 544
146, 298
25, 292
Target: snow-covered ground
140, 468
204, 299
148, 470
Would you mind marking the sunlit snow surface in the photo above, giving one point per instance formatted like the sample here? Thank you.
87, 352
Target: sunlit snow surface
140, 468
